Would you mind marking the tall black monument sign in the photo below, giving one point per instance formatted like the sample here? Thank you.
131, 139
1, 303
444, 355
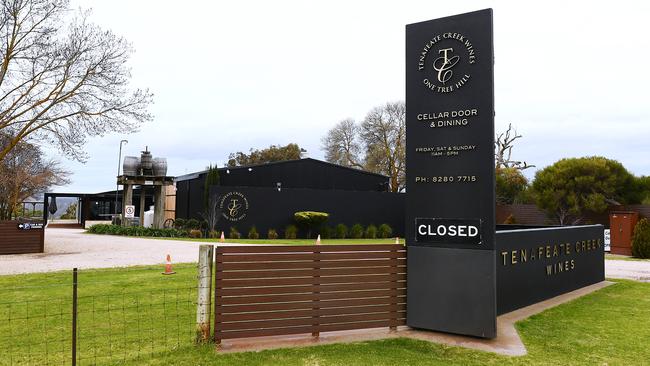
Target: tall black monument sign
450, 226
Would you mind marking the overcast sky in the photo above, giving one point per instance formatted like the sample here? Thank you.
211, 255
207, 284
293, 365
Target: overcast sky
231, 75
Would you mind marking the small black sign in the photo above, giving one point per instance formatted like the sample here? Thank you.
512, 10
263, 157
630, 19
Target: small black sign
29, 226
447, 231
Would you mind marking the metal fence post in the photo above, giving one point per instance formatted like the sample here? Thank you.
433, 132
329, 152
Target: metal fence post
74, 317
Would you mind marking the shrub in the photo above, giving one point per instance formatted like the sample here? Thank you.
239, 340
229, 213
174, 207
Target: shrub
326, 232
195, 233
192, 224
234, 234
356, 231
108, 229
214, 234
641, 239
180, 223
252, 233
385, 231
290, 232
341, 231
310, 219
272, 234
371, 232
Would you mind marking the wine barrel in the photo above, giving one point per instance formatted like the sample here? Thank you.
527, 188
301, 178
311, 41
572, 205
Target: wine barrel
159, 167
131, 165
146, 160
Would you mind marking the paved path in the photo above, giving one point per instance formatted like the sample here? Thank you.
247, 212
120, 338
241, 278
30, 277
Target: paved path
69, 248
631, 270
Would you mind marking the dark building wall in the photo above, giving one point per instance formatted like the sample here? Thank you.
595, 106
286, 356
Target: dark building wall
303, 173
270, 208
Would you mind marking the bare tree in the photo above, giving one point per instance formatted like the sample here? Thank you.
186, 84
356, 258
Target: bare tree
376, 145
342, 145
383, 132
212, 213
503, 150
62, 79
24, 173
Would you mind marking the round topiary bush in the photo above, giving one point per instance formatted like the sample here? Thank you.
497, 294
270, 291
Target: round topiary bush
641, 239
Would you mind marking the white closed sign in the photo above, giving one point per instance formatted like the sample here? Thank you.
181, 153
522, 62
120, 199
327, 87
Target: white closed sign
129, 211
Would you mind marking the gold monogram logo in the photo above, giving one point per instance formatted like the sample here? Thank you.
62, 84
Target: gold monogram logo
233, 206
444, 64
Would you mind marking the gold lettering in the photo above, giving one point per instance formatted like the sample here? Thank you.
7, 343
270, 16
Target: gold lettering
548, 251
513, 257
568, 248
555, 252
549, 270
540, 252
573, 265
523, 256
504, 255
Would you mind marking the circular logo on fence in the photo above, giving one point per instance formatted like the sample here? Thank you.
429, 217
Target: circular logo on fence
446, 62
233, 206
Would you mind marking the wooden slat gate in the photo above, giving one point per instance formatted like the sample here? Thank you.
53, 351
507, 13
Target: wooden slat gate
282, 290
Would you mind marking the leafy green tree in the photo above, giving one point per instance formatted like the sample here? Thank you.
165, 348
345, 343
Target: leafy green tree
510, 184
271, 154
70, 212
572, 187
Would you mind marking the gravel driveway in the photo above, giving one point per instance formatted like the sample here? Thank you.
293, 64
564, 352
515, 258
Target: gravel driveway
631, 270
69, 248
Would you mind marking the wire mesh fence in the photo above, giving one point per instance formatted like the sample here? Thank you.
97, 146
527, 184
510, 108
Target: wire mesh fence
121, 315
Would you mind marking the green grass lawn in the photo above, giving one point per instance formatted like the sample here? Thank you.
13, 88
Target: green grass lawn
136, 316
624, 258
294, 241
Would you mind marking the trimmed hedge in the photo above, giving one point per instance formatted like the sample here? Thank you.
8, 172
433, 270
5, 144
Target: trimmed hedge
109, 229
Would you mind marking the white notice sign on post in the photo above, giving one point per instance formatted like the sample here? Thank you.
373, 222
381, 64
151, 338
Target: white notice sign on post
129, 211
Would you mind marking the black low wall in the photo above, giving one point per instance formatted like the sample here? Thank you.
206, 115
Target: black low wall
537, 264
269, 208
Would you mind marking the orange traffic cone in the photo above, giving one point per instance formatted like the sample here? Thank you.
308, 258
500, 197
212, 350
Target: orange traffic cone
168, 266
397, 240
223, 238
318, 240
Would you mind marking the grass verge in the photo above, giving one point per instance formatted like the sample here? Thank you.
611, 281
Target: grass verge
618, 257
129, 316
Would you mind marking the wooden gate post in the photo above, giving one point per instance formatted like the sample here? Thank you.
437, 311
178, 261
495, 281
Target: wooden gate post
204, 294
